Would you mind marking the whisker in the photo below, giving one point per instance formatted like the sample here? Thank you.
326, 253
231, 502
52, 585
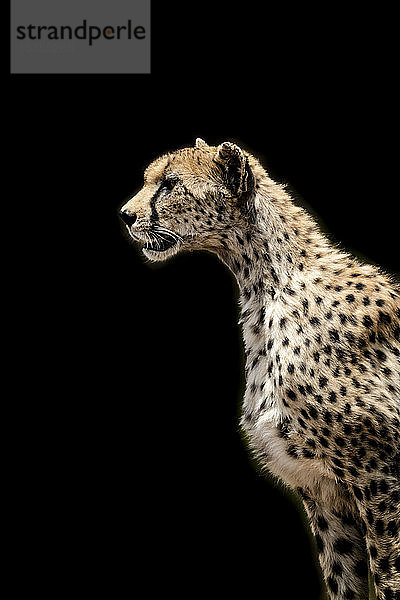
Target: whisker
158, 239
166, 231
166, 236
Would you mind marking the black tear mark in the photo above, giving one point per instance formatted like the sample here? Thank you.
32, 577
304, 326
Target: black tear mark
154, 214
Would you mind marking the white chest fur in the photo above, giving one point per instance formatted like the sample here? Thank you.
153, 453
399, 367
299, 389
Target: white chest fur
270, 428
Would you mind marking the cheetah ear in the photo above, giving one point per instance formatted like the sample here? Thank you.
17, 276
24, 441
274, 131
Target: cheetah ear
200, 143
235, 168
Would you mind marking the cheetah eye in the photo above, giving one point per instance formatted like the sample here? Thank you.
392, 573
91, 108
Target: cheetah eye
170, 183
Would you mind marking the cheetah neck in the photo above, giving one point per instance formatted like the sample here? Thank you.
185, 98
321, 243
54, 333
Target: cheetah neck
281, 242
271, 258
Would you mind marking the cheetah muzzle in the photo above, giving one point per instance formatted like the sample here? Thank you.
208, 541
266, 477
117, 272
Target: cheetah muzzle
321, 333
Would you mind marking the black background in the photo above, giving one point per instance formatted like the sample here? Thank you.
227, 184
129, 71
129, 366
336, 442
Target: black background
131, 470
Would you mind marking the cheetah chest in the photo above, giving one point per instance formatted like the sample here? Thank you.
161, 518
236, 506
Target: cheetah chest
281, 450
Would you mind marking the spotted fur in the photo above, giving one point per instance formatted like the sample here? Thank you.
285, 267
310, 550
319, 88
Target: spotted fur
322, 343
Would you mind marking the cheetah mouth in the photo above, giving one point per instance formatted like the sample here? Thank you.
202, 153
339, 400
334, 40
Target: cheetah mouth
158, 242
160, 245
161, 249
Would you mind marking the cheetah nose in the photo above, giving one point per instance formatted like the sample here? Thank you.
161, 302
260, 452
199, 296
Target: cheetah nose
128, 217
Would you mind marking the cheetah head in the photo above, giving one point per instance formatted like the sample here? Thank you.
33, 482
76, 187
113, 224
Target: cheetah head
190, 200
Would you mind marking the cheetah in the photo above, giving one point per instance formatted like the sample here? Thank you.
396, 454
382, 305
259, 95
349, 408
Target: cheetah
321, 331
